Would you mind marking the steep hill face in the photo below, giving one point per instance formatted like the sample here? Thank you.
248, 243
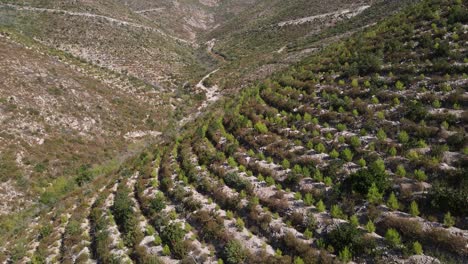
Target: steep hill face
127, 44
114, 147
273, 34
357, 153
59, 115
106, 73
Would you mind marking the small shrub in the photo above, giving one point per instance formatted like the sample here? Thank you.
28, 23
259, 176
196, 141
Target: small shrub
308, 234
370, 226
414, 210
374, 196
240, 224
345, 255
417, 248
403, 137
320, 206
336, 212
400, 171
261, 128
393, 237
392, 202
354, 221
166, 251
449, 221
420, 175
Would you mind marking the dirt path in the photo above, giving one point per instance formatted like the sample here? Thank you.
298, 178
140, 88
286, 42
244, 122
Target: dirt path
150, 10
340, 14
212, 93
90, 15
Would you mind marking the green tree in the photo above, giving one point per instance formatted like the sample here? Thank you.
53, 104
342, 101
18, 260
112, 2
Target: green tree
234, 253
347, 155
445, 125
158, 203
269, 181
308, 234
392, 151
320, 206
362, 162
229, 214
354, 221
122, 210
240, 224
166, 251
400, 171
393, 237
381, 135
355, 142
297, 196
334, 154
318, 176
370, 226
336, 212
84, 175
414, 210
320, 148
298, 260
378, 166
361, 181
328, 181
403, 137
285, 164
157, 240
449, 221
380, 115
392, 202
341, 127
261, 128
172, 234
345, 255
374, 196
308, 199
417, 248
420, 175
399, 85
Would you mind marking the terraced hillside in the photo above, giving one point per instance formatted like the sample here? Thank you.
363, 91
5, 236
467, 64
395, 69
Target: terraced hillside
271, 35
360, 150
85, 83
357, 153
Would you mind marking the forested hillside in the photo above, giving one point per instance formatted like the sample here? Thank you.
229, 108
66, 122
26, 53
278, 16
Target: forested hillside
356, 152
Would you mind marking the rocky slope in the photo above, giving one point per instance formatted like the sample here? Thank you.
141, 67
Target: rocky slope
114, 144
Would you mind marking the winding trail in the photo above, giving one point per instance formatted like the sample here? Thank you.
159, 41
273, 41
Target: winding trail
90, 15
212, 93
340, 14
150, 10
